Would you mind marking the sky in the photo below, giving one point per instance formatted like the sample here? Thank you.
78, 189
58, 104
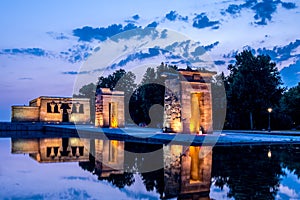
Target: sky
45, 46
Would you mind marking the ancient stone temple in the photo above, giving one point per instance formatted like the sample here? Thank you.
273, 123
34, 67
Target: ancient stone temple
188, 102
53, 109
109, 108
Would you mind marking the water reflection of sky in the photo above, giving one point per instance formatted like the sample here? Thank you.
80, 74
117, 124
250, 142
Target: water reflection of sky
289, 187
23, 178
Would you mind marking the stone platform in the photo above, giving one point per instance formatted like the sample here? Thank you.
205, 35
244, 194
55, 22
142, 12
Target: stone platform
148, 135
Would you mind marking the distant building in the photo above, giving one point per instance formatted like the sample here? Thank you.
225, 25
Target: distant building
188, 102
109, 108
53, 109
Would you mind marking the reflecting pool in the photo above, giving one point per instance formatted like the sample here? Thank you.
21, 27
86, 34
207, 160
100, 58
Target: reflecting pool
82, 168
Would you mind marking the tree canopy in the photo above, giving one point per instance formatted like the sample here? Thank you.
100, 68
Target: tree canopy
291, 104
253, 85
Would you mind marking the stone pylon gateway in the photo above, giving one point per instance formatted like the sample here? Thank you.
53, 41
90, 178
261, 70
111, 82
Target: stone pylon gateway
188, 102
109, 108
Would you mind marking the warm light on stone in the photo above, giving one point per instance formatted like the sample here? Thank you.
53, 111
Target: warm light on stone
188, 103
109, 108
53, 109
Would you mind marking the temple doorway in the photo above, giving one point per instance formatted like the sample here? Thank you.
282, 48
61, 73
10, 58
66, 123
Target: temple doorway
65, 114
113, 115
197, 103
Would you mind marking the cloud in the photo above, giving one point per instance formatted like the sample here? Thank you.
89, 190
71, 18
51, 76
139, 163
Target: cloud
25, 78
211, 46
77, 53
25, 51
164, 34
152, 25
277, 53
288, 5
263, 10
172, 16
88, 33
281, 53
136, 17
57, 36
233, 9
75, 72
202, 21
219, 62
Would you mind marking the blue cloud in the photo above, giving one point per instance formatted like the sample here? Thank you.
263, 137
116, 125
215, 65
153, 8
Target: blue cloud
136, 17
25, 51
219, 62
233, 9
75, 72
211, 46
172, 16
288, 5
57, 36
25, 78
202, 21
152, 25
281, 53
88, 33
263, 10
200, 50
164, 34
76, 53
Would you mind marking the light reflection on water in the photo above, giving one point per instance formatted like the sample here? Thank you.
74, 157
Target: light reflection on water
68, 172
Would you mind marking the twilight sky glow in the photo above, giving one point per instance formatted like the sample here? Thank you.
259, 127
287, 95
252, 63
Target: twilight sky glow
43, 44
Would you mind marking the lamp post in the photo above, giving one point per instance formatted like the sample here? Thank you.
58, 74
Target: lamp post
269, 111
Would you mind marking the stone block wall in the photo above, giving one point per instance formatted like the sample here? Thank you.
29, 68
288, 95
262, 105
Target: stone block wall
106, 116
51, 109
179, 104
24, 113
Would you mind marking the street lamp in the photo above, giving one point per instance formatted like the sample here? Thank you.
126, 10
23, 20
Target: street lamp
269, 111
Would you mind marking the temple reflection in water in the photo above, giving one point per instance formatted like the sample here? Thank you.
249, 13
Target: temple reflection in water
172, 170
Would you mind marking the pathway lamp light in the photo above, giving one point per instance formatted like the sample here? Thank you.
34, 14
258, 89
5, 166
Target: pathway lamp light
269, 111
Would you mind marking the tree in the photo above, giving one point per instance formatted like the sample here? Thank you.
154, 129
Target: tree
88, 91
147, 104
218, 101
291, 104
122, 81
254, 84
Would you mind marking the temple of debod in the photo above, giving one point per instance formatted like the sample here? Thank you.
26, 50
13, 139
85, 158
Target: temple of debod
187, 106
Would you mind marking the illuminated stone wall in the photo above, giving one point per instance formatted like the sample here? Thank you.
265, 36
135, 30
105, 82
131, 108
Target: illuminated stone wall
54, 109
188, 103
109, 108
24, 113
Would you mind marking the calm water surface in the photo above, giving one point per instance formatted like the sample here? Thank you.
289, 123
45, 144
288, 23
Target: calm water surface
73, 168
